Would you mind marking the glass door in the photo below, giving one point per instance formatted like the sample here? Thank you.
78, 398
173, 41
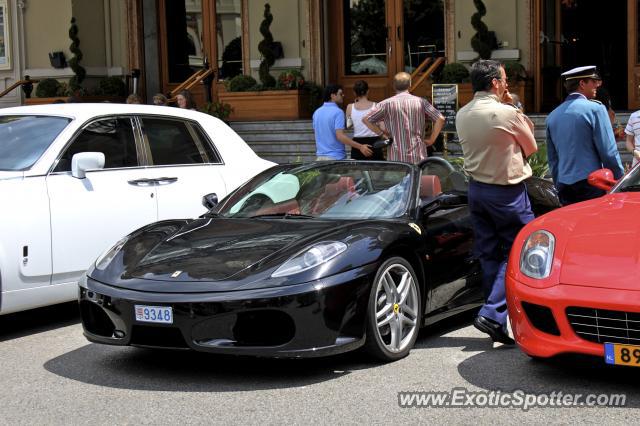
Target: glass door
421, 34
375, 39
362, 43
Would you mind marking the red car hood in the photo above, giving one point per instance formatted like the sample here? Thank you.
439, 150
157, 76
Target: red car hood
603, 245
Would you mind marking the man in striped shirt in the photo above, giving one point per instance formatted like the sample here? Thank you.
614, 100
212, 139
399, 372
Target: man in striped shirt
404, 117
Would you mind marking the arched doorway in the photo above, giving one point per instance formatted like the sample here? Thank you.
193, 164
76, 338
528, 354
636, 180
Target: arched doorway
375, 39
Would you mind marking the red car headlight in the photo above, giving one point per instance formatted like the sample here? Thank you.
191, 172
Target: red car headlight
536, 256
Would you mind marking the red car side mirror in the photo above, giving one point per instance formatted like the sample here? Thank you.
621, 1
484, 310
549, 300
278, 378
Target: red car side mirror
602, 178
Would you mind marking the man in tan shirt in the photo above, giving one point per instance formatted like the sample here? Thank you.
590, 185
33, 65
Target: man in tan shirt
496, 140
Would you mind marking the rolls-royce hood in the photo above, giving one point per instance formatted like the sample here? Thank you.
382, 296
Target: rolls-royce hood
218, 249
603, 246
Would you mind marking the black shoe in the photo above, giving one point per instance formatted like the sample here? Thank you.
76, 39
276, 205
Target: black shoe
493, 329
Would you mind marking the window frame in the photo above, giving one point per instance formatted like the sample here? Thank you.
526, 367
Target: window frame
190, 125
83, 126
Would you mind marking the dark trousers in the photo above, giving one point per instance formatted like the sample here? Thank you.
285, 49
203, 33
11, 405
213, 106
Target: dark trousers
576, 192
498, 212
378, 155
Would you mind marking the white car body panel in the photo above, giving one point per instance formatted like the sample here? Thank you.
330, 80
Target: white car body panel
89, 215
175, 199
67, 222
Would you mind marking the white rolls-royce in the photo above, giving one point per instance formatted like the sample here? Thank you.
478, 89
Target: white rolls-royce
75, 178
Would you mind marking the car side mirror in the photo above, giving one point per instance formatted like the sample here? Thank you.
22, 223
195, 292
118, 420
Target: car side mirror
210, 200
602, 179
83, 161
444, 201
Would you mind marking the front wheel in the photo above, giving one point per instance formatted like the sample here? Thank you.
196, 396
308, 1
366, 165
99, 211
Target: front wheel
394, 311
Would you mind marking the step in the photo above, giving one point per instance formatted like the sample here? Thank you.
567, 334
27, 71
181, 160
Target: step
294, 141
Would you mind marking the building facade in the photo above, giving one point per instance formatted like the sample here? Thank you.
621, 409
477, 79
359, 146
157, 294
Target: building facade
327, 40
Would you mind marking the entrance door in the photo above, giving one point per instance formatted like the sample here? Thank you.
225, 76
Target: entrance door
185, 33
575, 33
374, 39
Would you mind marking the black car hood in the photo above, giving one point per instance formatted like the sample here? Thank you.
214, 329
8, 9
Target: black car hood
218, 249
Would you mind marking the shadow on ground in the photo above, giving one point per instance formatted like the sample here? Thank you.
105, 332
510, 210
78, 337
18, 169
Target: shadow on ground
186, 371
20, 324
502, 368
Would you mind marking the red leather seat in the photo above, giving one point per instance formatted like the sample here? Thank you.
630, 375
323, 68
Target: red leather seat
430, 186
332, 192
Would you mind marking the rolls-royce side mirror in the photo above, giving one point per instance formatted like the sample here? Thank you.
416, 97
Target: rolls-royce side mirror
83, 161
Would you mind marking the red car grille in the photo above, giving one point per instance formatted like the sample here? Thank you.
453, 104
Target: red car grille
603, 326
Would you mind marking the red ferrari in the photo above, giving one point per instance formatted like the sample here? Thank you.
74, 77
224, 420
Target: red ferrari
573, 278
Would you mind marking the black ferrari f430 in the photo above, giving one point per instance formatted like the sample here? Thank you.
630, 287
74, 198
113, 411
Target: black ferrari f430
302, 260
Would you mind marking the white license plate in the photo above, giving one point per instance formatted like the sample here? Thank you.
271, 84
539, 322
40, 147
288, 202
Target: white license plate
159, 314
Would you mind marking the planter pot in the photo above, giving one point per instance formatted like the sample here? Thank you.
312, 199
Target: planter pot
78, 99
267, 105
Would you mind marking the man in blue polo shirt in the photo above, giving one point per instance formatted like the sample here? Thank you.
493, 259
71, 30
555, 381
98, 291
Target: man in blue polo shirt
329, 126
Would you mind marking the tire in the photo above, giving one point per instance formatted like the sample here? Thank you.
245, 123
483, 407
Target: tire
392, 337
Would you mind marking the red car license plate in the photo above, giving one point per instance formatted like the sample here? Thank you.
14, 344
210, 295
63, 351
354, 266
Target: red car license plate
619, 354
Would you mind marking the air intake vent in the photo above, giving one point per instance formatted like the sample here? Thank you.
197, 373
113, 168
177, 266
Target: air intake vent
603, 326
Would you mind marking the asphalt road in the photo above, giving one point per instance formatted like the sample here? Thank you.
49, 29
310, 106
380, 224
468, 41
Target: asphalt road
51, 375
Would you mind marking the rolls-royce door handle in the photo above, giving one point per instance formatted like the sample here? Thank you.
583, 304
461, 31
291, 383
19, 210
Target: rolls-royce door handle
149, 182
165, 180
142, 182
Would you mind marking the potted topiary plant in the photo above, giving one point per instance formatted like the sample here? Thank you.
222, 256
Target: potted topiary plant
281, 99
265, 48
75, 84
483, 41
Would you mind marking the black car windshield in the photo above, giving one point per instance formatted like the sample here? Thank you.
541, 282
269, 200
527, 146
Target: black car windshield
630, 182
327, 190
24, 138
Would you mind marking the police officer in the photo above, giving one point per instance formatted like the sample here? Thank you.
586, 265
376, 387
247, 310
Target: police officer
580, 139
496, 139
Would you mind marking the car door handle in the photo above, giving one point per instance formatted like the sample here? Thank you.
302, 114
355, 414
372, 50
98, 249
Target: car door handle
165, 180
142, 182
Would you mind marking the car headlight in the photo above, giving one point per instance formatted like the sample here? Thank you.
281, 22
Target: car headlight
105, 259
311, 257
536, 257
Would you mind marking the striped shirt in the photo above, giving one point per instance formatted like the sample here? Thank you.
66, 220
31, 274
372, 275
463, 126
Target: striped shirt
633, 129
404, 117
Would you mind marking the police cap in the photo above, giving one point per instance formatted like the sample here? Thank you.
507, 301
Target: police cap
590, 71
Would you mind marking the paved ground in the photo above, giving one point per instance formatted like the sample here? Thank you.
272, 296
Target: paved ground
51, 375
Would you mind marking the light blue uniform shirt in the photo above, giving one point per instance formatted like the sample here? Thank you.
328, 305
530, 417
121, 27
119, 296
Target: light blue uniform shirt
580, 140
326, 120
